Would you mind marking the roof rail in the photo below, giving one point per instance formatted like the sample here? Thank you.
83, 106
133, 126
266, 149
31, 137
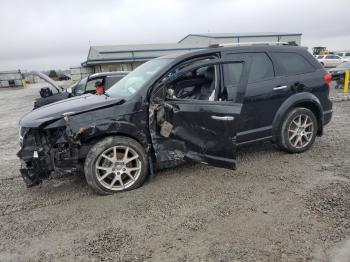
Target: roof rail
251, 43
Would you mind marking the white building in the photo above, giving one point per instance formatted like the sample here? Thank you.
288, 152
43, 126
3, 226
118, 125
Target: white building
128, 57
13, 78
210, 39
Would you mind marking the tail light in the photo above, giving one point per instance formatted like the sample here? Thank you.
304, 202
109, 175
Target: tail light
327, 78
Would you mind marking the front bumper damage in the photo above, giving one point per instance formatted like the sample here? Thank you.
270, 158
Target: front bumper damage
44, 151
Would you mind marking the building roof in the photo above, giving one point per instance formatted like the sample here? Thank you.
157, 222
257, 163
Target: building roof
238, 35
11, 72
130, 53
144, 52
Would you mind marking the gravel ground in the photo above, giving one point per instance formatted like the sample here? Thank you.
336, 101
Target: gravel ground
274, 207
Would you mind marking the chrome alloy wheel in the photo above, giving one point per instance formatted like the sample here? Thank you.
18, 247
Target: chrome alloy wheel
118, 168
300, 131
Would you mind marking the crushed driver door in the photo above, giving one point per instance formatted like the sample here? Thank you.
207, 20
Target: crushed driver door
200, 130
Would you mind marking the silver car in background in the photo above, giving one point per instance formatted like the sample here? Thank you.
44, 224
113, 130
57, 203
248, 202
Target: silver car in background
330, 60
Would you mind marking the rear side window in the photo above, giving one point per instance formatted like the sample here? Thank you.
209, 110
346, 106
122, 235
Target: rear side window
232, 77
111, 80
293, 63
233, 73
261, 68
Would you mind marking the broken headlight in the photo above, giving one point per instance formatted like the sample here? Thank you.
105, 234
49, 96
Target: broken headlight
21, 133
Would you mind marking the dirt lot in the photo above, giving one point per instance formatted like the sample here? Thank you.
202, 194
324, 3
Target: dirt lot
275, 207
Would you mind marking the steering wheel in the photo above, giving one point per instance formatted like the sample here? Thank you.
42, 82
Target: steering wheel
182, 93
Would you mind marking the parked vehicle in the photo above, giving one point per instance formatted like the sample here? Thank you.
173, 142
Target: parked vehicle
84, 86
344, 55
330, 60
320, 50
63, 77
198, 106
338, 73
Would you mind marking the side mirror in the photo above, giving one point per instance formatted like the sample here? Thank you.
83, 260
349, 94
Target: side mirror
69, 90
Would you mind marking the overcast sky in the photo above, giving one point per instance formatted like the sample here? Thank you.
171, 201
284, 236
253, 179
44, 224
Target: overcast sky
48, 34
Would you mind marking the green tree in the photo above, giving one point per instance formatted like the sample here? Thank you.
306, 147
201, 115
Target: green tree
53, 75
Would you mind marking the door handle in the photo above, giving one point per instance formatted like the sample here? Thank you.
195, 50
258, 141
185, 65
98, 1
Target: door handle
279, 88
223, 118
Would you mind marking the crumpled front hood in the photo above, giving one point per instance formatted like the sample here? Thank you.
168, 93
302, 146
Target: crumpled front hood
72, 106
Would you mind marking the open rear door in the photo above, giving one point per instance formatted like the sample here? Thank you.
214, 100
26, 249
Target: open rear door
199, 125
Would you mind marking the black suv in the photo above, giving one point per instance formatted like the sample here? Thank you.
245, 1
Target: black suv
195, 106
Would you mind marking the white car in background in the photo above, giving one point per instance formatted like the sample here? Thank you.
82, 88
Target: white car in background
344, 55
330, 60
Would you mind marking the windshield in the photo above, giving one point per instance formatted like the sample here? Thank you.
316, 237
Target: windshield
344, 65
134, 81
79, 88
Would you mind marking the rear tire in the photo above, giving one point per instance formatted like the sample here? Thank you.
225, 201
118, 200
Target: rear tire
116, 164
298, 131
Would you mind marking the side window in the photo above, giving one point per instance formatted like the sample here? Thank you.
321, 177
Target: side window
347, 54
261, 68
332, 57
91, 84
111, 80
232, 77
198, 84
293, 63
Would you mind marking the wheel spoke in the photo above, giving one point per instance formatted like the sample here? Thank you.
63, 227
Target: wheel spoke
130, 175
131, 159
301, 141
108, 169
115, 156
133, 169
292, 137
104, 176
307, 125
295, 123
126, 154
305, 121
121, 182
306, 138
299, 120
296, 141
115, 179
108, 158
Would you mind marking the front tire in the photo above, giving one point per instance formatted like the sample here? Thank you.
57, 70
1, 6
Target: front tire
116, 164
298, 131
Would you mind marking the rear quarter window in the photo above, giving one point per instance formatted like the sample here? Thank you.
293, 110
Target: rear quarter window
292, 63
261, 69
